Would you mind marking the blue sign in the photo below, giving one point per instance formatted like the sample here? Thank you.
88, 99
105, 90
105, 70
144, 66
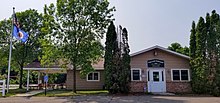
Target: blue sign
46, 78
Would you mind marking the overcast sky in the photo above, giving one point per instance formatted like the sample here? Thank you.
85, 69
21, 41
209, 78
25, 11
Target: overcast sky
149, 22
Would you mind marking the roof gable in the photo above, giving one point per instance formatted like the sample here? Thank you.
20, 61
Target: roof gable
161, 48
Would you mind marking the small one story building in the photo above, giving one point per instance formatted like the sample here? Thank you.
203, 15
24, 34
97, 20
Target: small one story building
93, 80
155, 69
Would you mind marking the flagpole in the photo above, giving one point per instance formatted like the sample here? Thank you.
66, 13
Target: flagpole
10, 50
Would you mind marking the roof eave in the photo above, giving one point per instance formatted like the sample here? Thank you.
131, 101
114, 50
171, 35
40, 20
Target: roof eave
161, 48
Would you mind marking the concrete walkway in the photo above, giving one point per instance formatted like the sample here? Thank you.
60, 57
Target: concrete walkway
29, 94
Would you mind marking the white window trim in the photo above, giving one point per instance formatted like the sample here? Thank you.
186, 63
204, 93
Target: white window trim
189, 79
93, 78
139, 74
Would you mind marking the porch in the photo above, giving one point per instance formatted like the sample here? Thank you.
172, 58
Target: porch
41, 72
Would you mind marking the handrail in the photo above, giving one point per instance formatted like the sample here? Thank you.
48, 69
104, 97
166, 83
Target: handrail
2, 87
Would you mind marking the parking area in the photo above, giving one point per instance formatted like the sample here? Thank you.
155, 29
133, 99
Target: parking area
111, 99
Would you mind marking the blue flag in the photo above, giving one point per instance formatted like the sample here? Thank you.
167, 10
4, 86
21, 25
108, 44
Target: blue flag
20, 34
17, 32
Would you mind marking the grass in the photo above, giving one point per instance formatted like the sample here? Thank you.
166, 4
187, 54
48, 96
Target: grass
64, 93
13, 92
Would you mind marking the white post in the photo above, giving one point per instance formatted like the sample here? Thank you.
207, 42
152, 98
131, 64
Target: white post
38, 78
10, 50
9, 65
3, 88
28, 76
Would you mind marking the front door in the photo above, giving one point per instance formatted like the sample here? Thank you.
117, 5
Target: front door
156, 80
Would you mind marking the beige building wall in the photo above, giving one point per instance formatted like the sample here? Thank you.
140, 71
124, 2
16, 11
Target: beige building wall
171, 61
82, 83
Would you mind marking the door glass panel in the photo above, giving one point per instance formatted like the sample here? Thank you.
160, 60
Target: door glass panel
156, 77
148, 75
162, 75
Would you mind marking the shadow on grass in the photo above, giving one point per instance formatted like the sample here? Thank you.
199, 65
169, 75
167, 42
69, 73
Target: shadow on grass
13, 92
66, 93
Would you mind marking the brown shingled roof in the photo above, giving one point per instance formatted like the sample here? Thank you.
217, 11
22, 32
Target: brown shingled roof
99, 65
36, 64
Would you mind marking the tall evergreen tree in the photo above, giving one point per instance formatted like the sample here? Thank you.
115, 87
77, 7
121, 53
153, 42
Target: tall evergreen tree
192, 54
111, 47
117, 61
210, 52
213, 53
200, 65
217, 75
205, 63
125, 64
192, 45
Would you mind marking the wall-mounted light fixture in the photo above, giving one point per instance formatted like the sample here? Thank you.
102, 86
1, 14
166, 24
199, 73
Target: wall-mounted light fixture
155, 53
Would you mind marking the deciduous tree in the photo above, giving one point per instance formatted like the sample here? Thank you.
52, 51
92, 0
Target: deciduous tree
178, 48
23, 53
81, 25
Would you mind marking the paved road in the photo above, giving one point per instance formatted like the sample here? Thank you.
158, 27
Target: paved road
111, 99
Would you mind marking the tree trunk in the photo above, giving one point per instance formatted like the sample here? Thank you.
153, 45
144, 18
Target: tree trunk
21, 76
74, 78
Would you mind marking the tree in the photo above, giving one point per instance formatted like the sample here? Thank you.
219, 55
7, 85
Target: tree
111, 46
23, 53
212, 52
5, 30
117, 61
200, 62
124, 79
216, 90
192, 47
175, 47
192, 54
81, 25
205, 63
5, 27
178, 48
50, 52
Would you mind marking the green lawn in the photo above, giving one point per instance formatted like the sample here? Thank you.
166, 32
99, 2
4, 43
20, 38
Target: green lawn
13, 92
64, 93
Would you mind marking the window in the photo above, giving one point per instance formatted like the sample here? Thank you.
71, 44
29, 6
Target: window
182, 74
176, 75
136, 74
156, 77
94, 76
